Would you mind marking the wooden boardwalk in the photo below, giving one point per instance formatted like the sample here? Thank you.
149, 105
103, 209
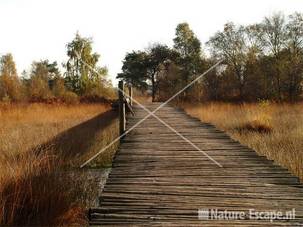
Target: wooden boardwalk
158, 179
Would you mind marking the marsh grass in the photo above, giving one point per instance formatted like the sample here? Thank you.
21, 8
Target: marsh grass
39, 144
273, 130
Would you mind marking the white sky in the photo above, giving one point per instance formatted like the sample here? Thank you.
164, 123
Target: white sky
40, 29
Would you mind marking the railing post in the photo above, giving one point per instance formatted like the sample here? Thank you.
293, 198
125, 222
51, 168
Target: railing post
130, 94
122, 121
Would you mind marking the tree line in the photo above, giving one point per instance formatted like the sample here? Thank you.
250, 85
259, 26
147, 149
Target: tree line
45, 83
262, 61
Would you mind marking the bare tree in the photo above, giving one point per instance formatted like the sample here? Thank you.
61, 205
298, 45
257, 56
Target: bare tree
273, 37
230, 44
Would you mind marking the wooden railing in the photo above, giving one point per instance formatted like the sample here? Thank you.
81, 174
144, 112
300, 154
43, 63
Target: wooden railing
125, 105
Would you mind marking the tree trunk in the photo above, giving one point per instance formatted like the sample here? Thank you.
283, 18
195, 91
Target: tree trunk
153, 87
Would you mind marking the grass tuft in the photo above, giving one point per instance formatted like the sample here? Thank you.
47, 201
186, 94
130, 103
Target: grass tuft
254, 126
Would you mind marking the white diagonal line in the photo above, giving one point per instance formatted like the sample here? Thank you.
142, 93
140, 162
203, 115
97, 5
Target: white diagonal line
147, 116
179, 134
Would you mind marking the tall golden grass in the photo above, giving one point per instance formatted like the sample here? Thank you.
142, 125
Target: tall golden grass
274, 130
38, 142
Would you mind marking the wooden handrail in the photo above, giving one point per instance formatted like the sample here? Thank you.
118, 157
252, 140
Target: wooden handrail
124, 102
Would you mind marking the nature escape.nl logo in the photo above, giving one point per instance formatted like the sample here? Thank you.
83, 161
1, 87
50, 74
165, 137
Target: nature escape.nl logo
251, 214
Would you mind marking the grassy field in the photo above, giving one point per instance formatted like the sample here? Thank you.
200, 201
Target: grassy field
273, 130
39, 144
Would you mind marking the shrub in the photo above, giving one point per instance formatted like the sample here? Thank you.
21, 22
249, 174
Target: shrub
39, 90
10, 88
98, 90
70, 97
58, 88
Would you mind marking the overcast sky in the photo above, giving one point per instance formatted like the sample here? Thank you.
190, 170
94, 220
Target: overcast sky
40, 29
